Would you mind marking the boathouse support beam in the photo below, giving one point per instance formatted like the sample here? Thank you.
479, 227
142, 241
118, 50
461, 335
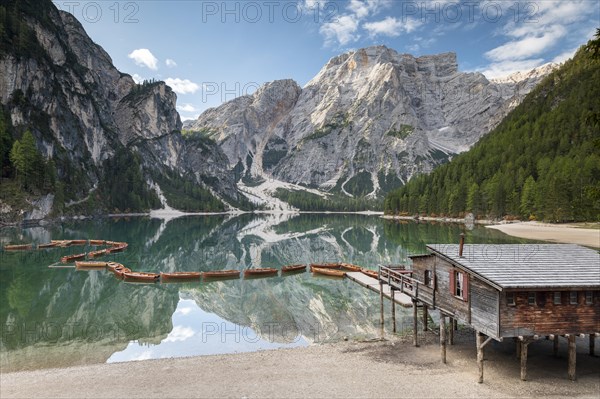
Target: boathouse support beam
392, 294
381, 319
592, 343
555, 345
443, 337
523, 345
480, 345
451, 332
572, 356
415, 324
425, 317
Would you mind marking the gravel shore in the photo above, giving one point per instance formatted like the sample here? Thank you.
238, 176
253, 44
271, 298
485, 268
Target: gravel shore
342, 370
560, 233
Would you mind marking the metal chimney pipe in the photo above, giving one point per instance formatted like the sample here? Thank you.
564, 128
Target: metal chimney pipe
461, 245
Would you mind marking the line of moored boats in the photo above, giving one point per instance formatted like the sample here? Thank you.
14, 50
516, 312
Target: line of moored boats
85, 261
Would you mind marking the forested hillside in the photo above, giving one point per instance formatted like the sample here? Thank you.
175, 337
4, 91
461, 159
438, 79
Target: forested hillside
542, 162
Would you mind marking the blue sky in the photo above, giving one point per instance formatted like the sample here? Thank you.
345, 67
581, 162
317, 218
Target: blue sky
212, 51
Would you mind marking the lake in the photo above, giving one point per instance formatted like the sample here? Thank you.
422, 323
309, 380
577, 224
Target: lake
59, 317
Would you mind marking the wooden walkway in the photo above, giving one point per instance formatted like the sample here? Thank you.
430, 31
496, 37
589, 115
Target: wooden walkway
372, 284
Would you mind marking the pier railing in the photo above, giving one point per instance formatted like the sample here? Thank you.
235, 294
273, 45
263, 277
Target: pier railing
401, 280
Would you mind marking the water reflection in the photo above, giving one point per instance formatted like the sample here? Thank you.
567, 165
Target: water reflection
63, 317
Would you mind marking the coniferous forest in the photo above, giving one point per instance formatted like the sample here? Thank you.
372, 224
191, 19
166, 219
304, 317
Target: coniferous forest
541, 163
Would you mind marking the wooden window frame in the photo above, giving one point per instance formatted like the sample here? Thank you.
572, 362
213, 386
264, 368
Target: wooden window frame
531, 295
429, 278
576, 301
589, 295
456, 276
511, 299
557, 295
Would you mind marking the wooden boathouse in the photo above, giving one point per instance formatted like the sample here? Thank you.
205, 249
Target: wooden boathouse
520, 292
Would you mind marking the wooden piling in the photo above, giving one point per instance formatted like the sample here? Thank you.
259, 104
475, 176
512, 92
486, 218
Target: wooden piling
572, 356
415, 324
555, 345
443, 337
425, 317
523, 345
592, 344
518, 347
381, 320
479, 342
451, 332
393, 310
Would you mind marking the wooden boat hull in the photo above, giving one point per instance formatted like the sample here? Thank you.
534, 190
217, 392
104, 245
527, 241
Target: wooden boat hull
111, 266
328, 272
325, 266
94, 254
97, 242
221, 274
180, 276
350, 267
293, 268
18, 247
120, 270
47, 245
370, 273
141, 276
72, 258
90, 265
78, 242
260, 272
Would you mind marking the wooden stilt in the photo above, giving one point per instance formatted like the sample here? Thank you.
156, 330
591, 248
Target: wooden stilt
381, 320
479, 341
443, 337
523, 345
592, 344
455, 326
518, 347
425, 317
572, 356
555, 345
451, 332
415, 324
393, 311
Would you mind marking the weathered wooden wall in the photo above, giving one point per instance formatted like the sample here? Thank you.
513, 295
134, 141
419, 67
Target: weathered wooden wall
484, 308
524, 319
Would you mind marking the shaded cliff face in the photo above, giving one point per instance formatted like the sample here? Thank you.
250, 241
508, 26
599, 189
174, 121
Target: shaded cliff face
81, 109
372, 116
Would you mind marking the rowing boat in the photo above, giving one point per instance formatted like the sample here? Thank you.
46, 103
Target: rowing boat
72, 258
325, 265
61, 243
90, 265
222, 274
260, 272
47, 245
117, 248
120, 270
97, 242
328, 272
78, 242
370, 273
111, 266
140, 276
180, 276
18, 247
93, 254
350, 267
293, 268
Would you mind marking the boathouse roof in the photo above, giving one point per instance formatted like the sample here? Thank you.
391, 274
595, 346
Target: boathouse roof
532, 266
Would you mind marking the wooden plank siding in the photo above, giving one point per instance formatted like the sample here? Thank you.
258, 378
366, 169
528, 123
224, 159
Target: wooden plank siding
484, 308
545, 318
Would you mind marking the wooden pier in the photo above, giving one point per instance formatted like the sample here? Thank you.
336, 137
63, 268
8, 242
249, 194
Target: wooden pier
372, 284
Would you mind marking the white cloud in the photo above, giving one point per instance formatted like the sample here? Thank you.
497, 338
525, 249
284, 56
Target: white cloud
182, 86
170, 63
137, 78
145, 355
343, 30
364, 8
391, 26
565, 55
192, 117
179, 333
184, 311
143, 57
528, 46
504, 68
186, 108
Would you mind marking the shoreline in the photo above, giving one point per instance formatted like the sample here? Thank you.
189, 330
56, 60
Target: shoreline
559, 233
344, 369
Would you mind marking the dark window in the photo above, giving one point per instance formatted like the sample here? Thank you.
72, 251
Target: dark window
573, 297
589, 298
557, 297
541, 299
510, 299
429, 278
531, 298
459, 289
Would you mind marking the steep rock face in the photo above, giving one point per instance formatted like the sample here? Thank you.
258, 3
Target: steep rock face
80, 109
371, 117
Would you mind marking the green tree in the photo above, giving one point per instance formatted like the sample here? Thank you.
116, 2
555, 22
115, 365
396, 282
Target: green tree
17, 158
528, 198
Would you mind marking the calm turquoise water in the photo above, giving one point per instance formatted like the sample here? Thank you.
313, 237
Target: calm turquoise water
61, 317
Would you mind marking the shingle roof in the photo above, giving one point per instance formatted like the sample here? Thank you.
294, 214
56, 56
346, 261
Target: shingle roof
527, 265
